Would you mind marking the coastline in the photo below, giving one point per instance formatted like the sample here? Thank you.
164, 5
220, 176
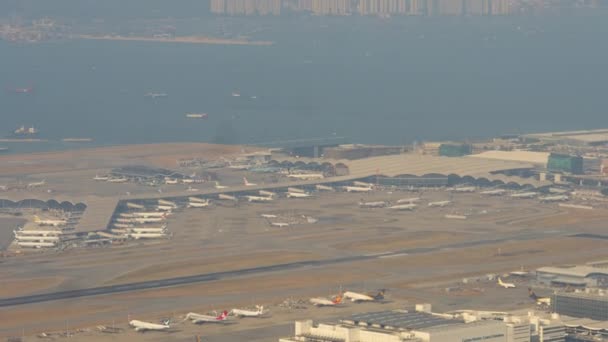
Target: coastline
182, 39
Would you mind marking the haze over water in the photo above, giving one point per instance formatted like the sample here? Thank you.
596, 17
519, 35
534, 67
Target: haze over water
370, 80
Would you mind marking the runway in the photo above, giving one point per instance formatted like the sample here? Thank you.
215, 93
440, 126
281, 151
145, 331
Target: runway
202, 278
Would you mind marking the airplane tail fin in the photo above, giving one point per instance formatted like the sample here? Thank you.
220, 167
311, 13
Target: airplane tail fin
223, 315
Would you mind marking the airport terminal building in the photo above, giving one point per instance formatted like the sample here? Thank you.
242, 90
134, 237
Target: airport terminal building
408, 326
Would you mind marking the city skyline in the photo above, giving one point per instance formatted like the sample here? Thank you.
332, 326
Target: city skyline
384, 8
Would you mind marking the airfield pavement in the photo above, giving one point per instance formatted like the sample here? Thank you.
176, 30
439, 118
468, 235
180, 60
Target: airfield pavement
499, 235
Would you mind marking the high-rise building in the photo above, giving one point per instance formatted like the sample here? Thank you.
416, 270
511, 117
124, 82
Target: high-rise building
246, 7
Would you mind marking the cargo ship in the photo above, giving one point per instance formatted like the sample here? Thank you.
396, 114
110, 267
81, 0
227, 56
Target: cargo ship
197, 115
25, 132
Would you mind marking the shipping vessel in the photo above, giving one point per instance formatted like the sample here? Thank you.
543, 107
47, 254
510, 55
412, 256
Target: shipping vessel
197, 115
25, 132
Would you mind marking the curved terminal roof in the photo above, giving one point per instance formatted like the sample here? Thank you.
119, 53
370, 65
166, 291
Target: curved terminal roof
575, 271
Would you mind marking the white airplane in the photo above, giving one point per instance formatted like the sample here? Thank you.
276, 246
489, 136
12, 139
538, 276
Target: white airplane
54, 223
537, 299
505, 285
154, 230
218, 186
199, 319
118, 180
306, 176
266, 193
321, 187
36, 244
171, 181
149, 214
248, 313
495, 192
227, 197
358, 188
379, 204
138, 236
296, 190
145, 326
19, 237
408, 200
198, 204
198, 199
187, 180
39, 232
147, 219
320, 301
440, 204
268, 216
162, 207
169, 203
524, 195
100, 178
37, 184
410, 206
135, 205
246, 182
464, 189
359, 297
298, 195
259, 199
279, 224
122, 225
191, 189
363, 184
556, 198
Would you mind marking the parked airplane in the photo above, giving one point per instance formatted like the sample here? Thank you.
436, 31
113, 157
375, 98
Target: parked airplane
248, 313
247, 183
363, 184
279, 224
320, 301
171, 181
138, 236
321, 187
295, 190
227, 197
495, 192
379, 204
149, 214
464, 189
268, 216
298, 195
100, 178
198, 204
524, 195
135, 205
199, 319
39, 232
167, 208
439, 204
537, 299
147, 219
357, 188
20, 237
37, 184
408, 200
556, 198
410, 206
118, 180
36, 244
169, 203
266, 193
259, 198
156, 230
506, 285
145, 326
122, 225
359, 297
198, 199
218, 186
49, 222
306, 176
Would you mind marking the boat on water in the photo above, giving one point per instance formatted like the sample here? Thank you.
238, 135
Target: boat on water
156, 95
197, 115
25, 132
236, 94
